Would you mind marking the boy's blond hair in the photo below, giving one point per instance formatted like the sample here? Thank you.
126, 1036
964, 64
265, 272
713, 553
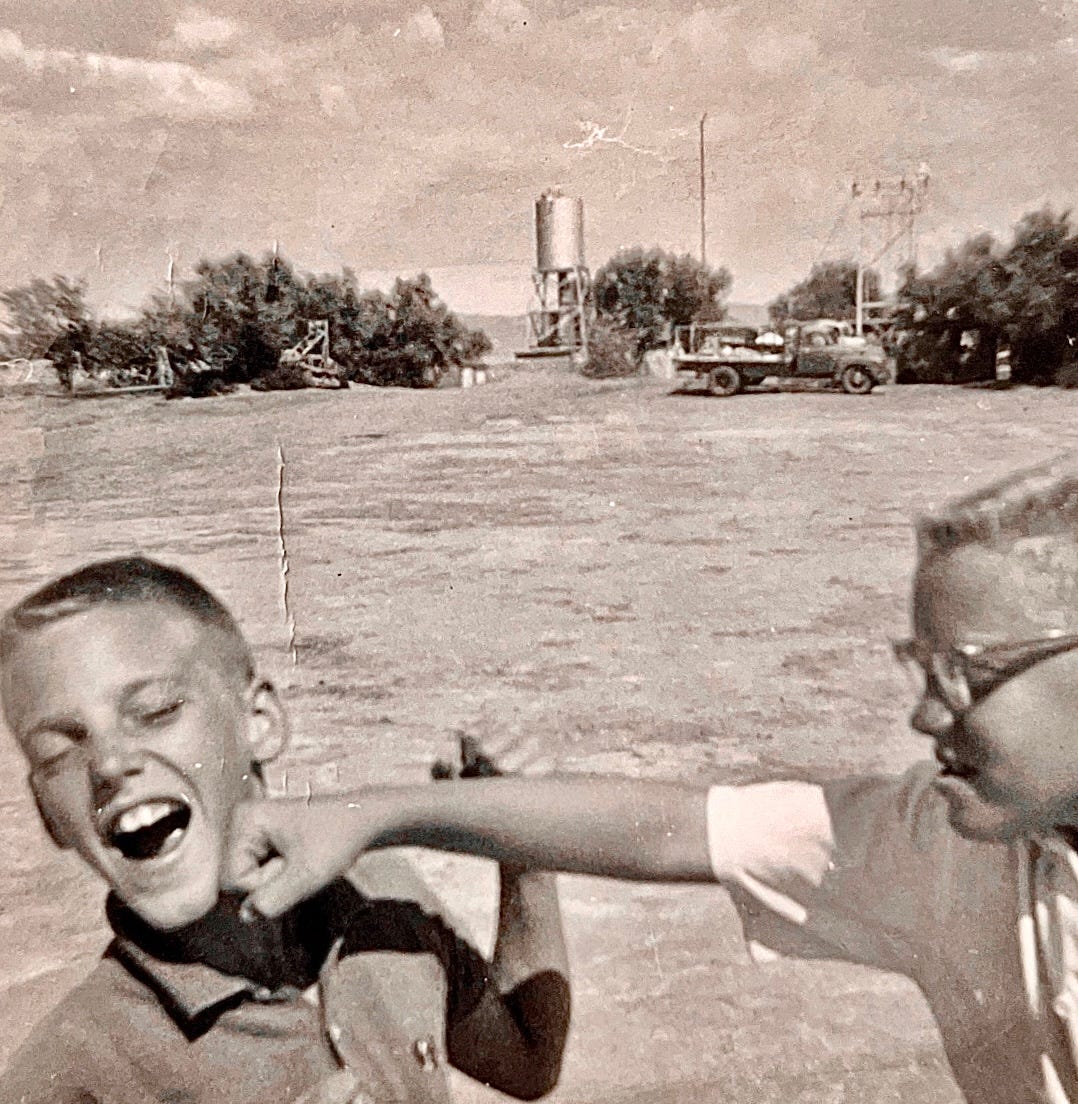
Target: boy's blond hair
123, 581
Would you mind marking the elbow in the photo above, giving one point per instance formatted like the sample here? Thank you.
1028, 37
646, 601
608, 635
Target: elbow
545, 1029
546, 1070
537, 1081
536, 1090
531, 1079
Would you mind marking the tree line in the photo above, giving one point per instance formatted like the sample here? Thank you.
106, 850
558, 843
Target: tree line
231, 321
235, 316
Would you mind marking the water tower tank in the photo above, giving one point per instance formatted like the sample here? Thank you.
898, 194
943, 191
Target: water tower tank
559, 233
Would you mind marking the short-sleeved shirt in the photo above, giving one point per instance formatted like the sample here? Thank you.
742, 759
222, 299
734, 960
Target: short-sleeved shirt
868, 870
150, 1027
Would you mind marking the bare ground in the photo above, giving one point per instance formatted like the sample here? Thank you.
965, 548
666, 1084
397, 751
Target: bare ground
657, 584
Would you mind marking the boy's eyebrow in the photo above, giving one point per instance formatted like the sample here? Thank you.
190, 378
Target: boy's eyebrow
133, 689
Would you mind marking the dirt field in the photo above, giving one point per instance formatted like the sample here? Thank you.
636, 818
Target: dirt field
658, 584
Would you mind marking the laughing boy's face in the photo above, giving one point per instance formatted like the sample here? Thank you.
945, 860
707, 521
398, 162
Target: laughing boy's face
141, 733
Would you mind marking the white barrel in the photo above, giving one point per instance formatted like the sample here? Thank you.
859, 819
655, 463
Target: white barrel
467, 377
559, 233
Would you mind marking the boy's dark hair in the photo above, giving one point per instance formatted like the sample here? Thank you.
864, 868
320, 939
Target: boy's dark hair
121, 581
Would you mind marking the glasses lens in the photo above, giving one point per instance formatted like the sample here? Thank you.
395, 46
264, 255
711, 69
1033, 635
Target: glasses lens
939, 675
912, 667
948, 679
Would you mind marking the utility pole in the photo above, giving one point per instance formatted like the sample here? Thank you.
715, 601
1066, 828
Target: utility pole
703, 197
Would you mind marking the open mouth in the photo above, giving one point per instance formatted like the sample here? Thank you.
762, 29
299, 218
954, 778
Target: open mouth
149, 830
952, 767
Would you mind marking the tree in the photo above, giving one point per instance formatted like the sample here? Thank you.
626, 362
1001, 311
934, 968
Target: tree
955, 319
230, 323
239, 314
1039, 302
829, 291
984, 296
418, 339
47, 319
120, 352
647, 290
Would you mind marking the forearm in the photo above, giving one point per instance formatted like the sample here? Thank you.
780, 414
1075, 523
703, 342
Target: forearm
607, 827
531, 968
530, 939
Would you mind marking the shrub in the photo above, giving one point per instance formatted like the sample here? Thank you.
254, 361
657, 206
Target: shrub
613, 353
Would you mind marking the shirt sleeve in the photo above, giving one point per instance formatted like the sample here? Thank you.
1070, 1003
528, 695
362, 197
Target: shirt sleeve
423, 923
467, 972
853, 870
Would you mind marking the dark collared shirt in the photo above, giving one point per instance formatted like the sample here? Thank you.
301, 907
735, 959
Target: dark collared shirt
156, 1024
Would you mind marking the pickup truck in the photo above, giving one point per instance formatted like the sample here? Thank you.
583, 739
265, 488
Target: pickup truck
729, 358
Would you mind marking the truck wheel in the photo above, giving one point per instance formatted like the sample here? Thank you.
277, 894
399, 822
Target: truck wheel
856, 380
724, 381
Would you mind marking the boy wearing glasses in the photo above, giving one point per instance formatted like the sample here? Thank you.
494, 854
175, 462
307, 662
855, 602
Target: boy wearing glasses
961, 873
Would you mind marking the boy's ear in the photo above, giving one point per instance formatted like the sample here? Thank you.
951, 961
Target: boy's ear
267, 725
51, 826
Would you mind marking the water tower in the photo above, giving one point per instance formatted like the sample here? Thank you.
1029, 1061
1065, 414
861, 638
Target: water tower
558, 324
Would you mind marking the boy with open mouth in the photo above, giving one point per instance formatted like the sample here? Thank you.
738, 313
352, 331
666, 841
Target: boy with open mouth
134, 697
961, 873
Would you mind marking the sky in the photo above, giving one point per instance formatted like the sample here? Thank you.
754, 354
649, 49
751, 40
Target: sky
406, 136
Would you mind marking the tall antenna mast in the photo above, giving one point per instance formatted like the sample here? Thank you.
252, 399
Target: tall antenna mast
895, 202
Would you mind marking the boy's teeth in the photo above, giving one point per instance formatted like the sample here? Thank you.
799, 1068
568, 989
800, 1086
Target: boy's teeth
141, 816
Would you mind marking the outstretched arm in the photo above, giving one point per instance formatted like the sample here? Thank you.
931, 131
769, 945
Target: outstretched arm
604, 826
282, 851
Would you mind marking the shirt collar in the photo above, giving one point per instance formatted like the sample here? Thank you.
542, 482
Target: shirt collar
200, 970
189, 991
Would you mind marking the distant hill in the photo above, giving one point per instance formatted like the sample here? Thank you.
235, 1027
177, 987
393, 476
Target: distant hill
508, 332
747, 314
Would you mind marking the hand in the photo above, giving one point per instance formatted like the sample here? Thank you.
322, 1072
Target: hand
338, 1088
282, 851
519, 755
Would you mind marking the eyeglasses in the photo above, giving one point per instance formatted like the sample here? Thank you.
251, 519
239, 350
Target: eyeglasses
967, 673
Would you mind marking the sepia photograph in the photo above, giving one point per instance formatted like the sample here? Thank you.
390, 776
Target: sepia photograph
539, 554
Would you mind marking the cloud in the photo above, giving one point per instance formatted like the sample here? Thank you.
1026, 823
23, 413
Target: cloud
424, 28
403, 136
498, 18
958, 61
333, 98
167, 88
199, 30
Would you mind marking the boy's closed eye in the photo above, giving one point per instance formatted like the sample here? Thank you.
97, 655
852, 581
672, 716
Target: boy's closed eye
47, 747
153, 715
50, 745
